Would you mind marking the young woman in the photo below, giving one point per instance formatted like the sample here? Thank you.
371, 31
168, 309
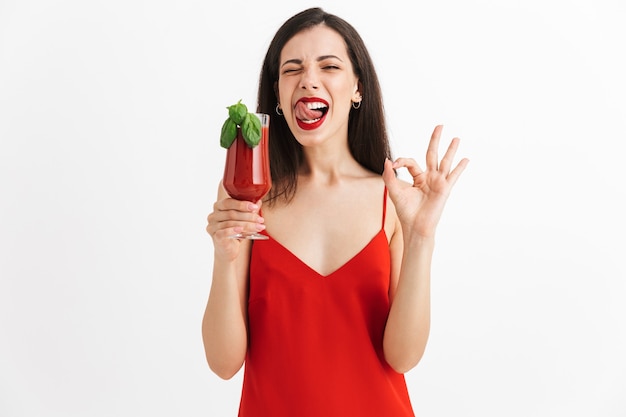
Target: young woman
332, 310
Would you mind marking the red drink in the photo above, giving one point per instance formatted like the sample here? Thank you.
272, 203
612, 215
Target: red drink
247, 170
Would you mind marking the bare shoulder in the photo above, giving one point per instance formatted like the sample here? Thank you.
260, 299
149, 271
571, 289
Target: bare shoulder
393, 228
392, 222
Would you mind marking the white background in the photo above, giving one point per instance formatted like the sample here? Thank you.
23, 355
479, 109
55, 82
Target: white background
110, 114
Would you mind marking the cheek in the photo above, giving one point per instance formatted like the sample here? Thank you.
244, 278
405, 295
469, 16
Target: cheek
344, 88
284, 91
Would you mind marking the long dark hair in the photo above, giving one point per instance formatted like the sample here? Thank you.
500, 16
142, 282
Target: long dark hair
367, 132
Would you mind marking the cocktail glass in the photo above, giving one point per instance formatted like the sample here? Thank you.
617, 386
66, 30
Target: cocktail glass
247, 170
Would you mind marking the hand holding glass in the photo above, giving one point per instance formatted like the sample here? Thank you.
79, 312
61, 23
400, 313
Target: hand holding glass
247, 174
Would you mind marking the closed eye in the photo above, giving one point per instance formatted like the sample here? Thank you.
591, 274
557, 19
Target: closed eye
291, 70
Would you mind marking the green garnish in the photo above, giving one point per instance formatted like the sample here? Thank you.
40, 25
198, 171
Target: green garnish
239, 117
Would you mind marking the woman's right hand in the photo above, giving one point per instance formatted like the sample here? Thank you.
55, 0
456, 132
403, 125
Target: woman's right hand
228, 218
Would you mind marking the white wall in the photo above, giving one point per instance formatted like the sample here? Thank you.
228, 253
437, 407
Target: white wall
109, 121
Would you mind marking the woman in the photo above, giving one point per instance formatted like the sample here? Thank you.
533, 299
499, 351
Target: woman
332, 310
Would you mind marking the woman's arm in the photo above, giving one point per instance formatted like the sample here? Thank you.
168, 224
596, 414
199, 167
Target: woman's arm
419, 207
408, 324
224, 326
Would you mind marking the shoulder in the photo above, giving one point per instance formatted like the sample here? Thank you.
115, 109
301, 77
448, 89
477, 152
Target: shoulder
393, 227
392, 223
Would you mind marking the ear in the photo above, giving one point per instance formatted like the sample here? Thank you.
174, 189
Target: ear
357, 96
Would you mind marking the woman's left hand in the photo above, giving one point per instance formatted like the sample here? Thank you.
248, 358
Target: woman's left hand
419, 205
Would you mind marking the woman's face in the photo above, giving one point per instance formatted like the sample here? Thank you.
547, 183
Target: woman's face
316, 85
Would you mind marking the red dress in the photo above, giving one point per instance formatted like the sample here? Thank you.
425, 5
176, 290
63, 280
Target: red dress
315, 342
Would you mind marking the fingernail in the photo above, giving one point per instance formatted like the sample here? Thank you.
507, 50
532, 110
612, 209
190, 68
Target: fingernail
260, 226
252, 207
260, 220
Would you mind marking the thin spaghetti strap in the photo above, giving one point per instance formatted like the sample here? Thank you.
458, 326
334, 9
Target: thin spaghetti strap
384, 206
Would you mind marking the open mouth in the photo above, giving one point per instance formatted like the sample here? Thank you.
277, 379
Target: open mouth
310, 112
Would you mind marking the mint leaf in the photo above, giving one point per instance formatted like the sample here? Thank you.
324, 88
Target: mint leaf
240, 118
229, 133
237, 112
251, 130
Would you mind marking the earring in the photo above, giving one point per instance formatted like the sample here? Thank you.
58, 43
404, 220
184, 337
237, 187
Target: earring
278, 111
356, 105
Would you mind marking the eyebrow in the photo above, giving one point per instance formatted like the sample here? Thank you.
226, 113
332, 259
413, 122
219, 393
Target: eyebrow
320, 58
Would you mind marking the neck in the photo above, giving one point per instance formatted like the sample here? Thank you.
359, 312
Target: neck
328, 166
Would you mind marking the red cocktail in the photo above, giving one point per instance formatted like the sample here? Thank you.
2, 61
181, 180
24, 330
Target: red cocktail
247, 170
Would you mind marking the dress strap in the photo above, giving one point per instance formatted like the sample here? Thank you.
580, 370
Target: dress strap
384, 207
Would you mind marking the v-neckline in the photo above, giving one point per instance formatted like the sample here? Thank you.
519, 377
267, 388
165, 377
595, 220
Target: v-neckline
341, 266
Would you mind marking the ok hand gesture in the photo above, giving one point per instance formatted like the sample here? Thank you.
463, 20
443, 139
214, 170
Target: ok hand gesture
420, 205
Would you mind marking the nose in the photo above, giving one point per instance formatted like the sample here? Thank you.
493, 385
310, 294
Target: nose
309, 79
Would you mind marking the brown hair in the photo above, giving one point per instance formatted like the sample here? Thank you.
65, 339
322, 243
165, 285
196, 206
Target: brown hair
367, 132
